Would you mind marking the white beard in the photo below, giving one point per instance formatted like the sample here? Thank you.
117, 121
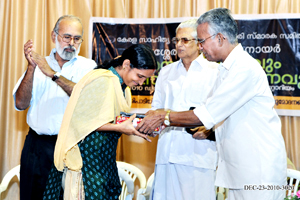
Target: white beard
63, 53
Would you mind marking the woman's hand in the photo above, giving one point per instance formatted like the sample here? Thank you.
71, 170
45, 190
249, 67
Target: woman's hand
127, 128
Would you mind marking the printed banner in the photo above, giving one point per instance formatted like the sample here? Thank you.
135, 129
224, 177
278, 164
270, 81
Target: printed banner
274, 40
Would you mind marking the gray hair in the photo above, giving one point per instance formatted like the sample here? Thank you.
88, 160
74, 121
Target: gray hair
70, 17
220, 21
191, 23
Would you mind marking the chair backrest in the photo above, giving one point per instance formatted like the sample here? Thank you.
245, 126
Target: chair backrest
127, 185
8, 176
294, 178
134, 173
145, 193
221, 193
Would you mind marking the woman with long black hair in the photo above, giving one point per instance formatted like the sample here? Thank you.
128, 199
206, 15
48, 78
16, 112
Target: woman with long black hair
85, 152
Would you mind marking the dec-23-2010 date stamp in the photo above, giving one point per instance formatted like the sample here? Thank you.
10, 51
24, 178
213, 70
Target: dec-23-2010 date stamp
268, 187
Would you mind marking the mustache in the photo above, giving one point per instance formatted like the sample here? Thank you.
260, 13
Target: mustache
70, 47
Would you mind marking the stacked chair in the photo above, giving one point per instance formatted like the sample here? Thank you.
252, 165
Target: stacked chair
8, 177
128, 174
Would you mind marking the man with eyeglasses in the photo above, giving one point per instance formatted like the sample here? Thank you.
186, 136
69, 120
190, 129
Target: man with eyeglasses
45, 88
252, 156
185, 163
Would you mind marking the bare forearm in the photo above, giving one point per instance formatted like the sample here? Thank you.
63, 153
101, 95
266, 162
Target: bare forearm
109, 127
125, 127
42, 63
24, 92
156, 118
185, 118
65, 84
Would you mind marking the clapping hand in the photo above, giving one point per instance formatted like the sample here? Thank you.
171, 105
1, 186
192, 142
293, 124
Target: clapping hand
28, 48
42, 64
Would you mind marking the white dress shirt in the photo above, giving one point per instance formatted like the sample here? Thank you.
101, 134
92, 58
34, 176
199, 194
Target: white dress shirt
248, 130
178, 90
49, 100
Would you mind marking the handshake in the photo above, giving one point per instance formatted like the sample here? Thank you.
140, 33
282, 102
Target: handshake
139, 117
152, 124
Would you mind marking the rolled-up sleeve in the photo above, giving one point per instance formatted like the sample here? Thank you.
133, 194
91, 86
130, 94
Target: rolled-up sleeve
202, 113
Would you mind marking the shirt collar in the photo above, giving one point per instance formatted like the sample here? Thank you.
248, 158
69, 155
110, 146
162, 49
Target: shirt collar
232, 56
200, 59
114, 71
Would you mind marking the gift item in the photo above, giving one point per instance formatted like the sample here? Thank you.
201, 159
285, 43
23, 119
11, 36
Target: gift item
139, 117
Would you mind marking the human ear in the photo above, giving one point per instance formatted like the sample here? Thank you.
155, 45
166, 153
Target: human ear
53, 36
221, 39
126, 64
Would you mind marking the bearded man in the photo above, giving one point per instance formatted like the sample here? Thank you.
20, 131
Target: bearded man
45, 88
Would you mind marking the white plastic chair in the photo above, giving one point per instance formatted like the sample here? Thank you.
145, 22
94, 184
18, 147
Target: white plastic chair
127, 185
221, 193
7, 178
134, 173
293, 175
145, 193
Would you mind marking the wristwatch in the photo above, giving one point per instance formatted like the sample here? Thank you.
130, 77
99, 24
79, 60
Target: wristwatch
56, 76
167, 118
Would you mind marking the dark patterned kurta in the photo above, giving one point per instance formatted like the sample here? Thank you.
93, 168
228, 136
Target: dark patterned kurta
99, 171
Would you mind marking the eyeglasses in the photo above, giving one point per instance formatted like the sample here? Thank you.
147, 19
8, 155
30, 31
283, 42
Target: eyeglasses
183, 40
202, 41
68, 38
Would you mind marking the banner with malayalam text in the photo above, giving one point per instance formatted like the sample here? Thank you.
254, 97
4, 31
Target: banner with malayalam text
273, 40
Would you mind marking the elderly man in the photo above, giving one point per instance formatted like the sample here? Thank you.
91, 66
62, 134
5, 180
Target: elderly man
185, 166
46, 89
252, 156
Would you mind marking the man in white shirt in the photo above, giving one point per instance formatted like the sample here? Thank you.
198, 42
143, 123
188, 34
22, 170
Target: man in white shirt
46, 89
252, 156
185, 166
